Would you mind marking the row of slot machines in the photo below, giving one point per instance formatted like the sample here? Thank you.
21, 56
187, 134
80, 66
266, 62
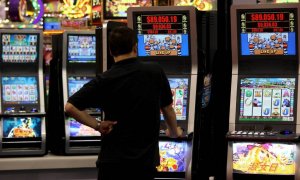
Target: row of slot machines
263, 137
166, 35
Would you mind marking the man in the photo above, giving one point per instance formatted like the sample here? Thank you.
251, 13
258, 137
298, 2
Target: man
131, 93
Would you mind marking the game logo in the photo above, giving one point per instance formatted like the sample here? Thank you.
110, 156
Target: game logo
264, 158
201, 5
19, 90
76, 83
21, 127
19, 48
172, 156
267, 99
77, 129
82, 48
180, 91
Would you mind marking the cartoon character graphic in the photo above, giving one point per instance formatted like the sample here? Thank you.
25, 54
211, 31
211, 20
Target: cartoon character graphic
23, 130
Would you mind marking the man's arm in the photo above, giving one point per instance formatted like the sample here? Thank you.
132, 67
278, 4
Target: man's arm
84, 118
170, 118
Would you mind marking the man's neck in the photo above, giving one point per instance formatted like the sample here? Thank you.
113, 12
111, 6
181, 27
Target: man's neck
124, 57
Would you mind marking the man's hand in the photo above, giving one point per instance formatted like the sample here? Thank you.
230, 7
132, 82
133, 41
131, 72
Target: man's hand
106, 127
179, 133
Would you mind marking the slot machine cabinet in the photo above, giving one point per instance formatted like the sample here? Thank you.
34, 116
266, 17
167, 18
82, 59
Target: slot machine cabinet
22, 127
75, 53
169, 37
263, 121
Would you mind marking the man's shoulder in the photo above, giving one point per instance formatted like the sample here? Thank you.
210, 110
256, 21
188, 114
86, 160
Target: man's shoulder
151, 66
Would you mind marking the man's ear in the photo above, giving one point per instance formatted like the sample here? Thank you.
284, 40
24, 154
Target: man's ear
135, 48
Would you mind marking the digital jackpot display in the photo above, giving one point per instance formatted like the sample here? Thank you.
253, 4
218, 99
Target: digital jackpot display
19, 48
264, 158
267, 99
265, 32
162, 34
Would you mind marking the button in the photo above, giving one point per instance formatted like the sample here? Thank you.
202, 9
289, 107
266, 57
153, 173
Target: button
233, 132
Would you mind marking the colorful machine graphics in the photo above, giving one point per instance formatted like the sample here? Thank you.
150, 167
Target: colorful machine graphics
77, 129
267, 99
163, 45
75, 83
172, 156
19, 48
180, 91
201, 5
118, 8
82, 48
21, 127
281, 43
19, 90
264, 158
51, 23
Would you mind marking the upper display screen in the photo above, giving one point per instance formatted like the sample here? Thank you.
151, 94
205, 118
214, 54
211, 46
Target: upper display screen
75, 83
82, 48
118, 8
268, 33
264, 158
19, 48
267, 99
180, 92
162, 34
19, 90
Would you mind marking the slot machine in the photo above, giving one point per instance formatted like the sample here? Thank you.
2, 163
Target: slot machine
169, 37
264, 122
22, 127
74, 65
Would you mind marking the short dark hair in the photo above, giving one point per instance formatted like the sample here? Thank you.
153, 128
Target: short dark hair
121, 40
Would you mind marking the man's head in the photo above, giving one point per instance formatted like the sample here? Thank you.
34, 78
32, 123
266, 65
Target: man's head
122, 40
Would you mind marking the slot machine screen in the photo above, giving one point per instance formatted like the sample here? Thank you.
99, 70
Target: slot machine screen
19, 48
172, 156
163, 34
77, 129
19, 90
81, 48
75, 83
21, 127
264, 158
114, 9
267, 100
180, 92
268, 32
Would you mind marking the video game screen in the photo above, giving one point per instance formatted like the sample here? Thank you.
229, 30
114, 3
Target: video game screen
180, 92
264, 158
172, 156
19, 90
77, 129
267, 99
268, 33
21, 127
19, 48
162, 34
118, 8
81, 48
75, 83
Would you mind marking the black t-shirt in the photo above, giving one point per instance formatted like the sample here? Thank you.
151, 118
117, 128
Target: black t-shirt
131, 93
